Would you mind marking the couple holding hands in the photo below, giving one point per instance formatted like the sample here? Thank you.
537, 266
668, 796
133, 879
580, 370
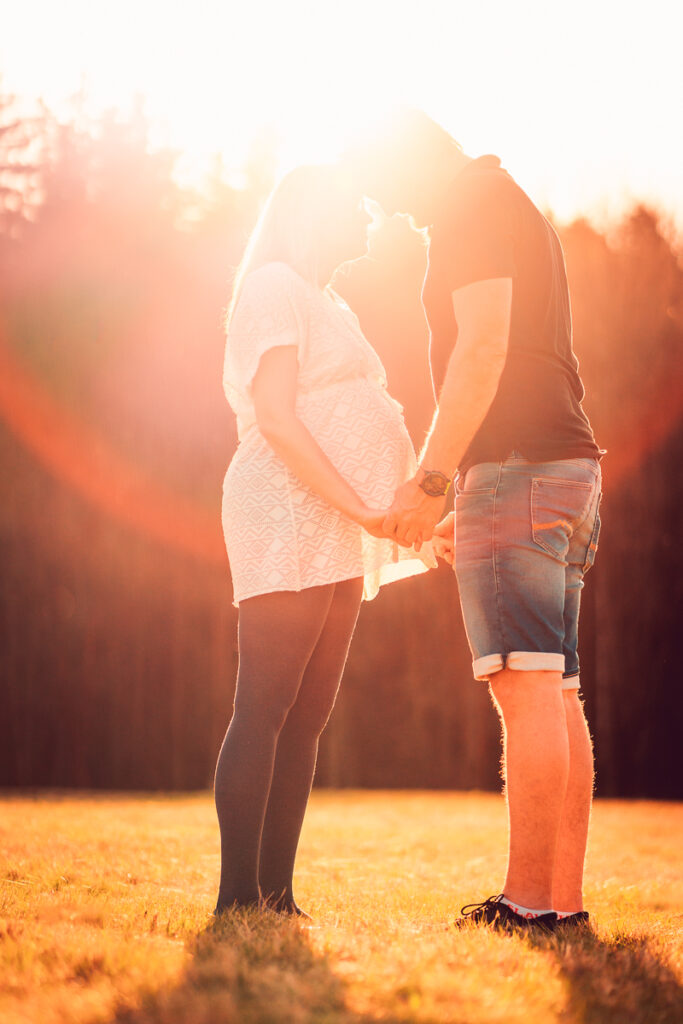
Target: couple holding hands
324, 501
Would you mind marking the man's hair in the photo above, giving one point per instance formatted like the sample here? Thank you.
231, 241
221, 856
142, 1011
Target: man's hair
395, 152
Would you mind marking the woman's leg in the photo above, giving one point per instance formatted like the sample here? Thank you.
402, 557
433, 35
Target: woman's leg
277, 636
297, 747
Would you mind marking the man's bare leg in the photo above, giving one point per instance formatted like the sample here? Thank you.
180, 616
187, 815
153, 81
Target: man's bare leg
536, 770
571, 848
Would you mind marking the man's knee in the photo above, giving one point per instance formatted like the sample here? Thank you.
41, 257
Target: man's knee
572, 699
514, 691
575, 712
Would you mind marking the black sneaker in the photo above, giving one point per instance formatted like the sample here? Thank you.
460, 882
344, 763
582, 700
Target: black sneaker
580, 919
503, 918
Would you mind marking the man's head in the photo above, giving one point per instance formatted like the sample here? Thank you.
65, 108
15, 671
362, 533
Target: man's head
405, 164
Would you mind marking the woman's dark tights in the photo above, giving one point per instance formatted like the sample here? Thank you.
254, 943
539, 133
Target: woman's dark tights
292, 652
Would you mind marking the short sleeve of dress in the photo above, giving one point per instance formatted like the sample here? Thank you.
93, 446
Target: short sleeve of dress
268, 315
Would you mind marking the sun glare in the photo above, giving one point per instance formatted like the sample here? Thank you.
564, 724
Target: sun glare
551, 91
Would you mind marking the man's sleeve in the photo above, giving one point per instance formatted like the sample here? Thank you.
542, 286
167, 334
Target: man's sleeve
476, 244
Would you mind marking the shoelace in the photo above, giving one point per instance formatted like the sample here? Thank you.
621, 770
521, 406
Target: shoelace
471, 908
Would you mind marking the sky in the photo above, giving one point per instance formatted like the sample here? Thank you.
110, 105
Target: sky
583, 102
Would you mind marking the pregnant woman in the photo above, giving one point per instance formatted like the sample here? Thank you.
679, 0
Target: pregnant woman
322, 448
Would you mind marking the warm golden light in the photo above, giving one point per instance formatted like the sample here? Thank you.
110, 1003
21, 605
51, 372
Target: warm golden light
552, 90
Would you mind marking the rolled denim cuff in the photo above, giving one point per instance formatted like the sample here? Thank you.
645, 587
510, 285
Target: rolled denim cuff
519, 661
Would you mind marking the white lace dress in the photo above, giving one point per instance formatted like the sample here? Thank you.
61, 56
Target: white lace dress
280, 535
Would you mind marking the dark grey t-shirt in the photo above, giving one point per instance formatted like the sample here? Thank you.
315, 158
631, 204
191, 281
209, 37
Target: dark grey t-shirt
488, 228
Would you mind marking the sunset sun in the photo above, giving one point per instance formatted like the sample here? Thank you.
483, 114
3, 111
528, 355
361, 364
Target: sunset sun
578, 128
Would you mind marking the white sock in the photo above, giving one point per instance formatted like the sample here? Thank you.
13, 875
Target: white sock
566, 913
524, 911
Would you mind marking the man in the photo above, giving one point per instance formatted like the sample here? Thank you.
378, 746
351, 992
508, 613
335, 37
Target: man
509, 420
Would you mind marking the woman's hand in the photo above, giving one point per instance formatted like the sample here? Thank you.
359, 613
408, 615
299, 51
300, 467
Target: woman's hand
274, 392
371, 519
443, 539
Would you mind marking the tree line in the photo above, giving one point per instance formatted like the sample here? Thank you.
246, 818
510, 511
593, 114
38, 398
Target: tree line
118, 635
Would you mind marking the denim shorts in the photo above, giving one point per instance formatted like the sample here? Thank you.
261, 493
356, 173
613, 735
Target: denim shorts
525, 535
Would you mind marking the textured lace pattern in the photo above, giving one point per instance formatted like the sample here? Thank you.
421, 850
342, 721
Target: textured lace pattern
280, 535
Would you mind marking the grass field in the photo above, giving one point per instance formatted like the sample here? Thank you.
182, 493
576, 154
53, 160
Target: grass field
105, 902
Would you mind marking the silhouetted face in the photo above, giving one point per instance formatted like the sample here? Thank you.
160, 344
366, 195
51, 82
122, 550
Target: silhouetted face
346, 234
407, 191
391, 191
403, 173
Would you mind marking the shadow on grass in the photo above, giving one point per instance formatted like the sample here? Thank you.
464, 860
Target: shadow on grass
249, 968
619, 980
255, 968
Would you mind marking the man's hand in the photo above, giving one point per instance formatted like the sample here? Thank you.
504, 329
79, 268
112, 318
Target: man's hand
443, 539
413, 515
372, 520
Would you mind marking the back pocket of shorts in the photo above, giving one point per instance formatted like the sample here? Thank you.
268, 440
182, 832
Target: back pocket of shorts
558, 507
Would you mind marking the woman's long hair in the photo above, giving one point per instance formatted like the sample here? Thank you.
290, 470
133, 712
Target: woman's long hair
293, 226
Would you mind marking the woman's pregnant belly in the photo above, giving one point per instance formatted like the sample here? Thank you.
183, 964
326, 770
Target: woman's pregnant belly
361, 430
358, 426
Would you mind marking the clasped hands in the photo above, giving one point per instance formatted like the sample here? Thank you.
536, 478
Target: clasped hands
413, 519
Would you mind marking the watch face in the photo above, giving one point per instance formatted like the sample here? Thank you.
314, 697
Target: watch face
435, 484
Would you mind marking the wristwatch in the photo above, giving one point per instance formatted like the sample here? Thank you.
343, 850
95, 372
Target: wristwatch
434, 482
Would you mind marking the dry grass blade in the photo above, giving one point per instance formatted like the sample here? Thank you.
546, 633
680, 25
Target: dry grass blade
105, 900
